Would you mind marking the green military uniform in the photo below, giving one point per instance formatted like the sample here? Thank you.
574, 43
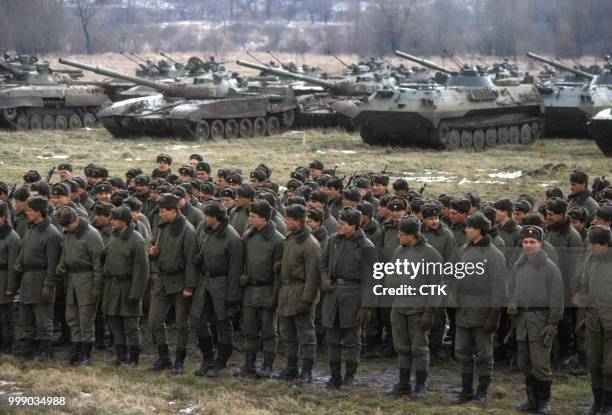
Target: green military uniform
192, 214
584, 200
239, 219
536, 289
263, 258
217, 297
126, 272
82, 265
409, 337
346, 265
510, 233
297, 297
458, 230
329, 222
20, 223
479, 298
373, 232
10, 245
278, 220
177, 272
40, 254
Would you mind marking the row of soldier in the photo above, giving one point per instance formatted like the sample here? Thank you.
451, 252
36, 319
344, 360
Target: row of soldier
213, 248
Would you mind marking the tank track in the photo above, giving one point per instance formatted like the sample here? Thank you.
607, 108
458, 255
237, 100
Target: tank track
46, 118
323, 120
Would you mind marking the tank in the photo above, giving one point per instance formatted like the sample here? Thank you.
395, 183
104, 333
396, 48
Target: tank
570, 105
468, 111
332, 108
195, 108
33, 96
600, 128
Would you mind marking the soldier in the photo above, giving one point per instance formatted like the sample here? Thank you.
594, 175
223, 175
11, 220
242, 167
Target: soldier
319, 200
37, 266
578, 221
509, 230
173, 253
228, 196
491, 213
413, 317
580, 196
102, 192
10, 245
20, 220
346, 276
203, 170
142, 192
194, 159
164, 163
368, 223
350, 197
263, 246
459, 210
380, 184
445, 201
536, 299
363, 185
298, 295
240, 215
65, 171
314, 219
191, 213
186, 173
315, 169
521, 208
569, 246
84, 199
479, 298
81, 268
257, 178
595, 295
400, 187
130, 175
334, 188
126, 271
60, 197
217, 297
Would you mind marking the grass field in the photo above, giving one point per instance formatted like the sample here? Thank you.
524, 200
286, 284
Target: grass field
100, 389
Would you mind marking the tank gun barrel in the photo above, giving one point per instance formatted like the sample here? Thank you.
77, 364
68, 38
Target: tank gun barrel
275, 57
256, 58
287, 74
561, 66
339, 60
13, 71
169, 58
423, 62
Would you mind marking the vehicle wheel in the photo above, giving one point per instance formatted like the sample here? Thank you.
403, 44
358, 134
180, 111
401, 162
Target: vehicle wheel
273, 126
467, 139
288, 118
514, 134
260, 127
502, 136
75, 121
22, 123
479, 139
491, 137
231, 129
536, 131
35, 122
526, 136
246, 128
61, 123
202, 131
48, 122
89, 120
9, 114
454, 140
217, 129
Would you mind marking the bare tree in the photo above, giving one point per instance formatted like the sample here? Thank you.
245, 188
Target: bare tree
85, 10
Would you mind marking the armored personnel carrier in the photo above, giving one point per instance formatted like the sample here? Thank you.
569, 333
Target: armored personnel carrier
569, 105
198, 108
600, 128
332, 108
469, 111
34, 96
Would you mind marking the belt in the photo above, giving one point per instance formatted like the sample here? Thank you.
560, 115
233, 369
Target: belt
32, 268
260, 283
85, 268
533, 308
342, 281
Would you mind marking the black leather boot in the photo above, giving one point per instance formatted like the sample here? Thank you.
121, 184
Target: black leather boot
481, 394
419, 388
163, 362
530, 404
335, 380
208, 356
179, 361
225, 351
86, 353
306, 372
121, 350
134, 357
403, 386
467, 389
248, 370
290, 372
349, 374
75, 353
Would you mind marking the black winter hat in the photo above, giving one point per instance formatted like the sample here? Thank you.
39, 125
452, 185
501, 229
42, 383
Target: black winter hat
410, 225
22, 194
117, 182
38, 203
400, 184
60, 189
397, 203
504, 204
366, 208
41, 187
102, 209
580, 177
227, 192
430, 209
234, 178
316, 214
64, 166
102, 187
32, 176
604, 211
460, 205
556, 205
168, 201
179, 191
186, 171
296, 212
215, 209
267, 195
352, 193
553, 191
335, 183
600, 235
122, 213
207, 188
316, 164
66, 216
197, 157
134, 204
523, 205
304, 191
578, 213
258, 175
203, 166
478, 221
246, 191
380, 179
293, 200
133, 172
261, 208
320, 196
532, 231
362, 183
490, 213
117, 198
350, 215
445, 200
165, 158
474, 199
293, 184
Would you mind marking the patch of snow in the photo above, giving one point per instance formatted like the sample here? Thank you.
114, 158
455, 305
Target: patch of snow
465, 181
6, 383
506, 175
85, 395
172, 403
57, 157
432, 179
129, 159
187, 410
178, 147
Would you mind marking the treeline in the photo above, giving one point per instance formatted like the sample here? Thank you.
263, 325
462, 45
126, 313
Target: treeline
563, 28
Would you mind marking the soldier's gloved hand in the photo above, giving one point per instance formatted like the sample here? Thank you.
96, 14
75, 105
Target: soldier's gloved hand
512, 310
132, 301
303, 307
271, 303
327, 285
492, 323
549, 334
19, 267
426, 321
47, 295
363, 316
244, 280
61, 270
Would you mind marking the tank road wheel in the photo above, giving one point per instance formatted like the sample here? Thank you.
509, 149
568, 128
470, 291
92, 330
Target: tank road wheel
89, 120
202, 131
231, 129
246, 128
273, 126
479, 139
502, 136
22, 123
74, 121
288, 117
48, 123
61, 123
453, 141
260, 127
526, 136
9, 114
467, 139
217, 129
491, 137
514, 134
535, 131
35, 122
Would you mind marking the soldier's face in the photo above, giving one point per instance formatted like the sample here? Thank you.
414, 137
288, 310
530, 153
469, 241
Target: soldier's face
577, 187
531, 246
432, 222
517, 215
202, 175
163, 166
33, 215
59, 201
101, 220
20, 204
314, 173
500, 216
397, 214
457, 217
345, 229
257, 221
384, 212
220, 182
473, 234
228, 202
211, 221
292, 224
242, 201
141, 190
167, 215
601, 222
552, 218
405, 239
599, 249
103, 197
255, 182
65, 175
118, 225
193, 163
313, 224
333, 192
184, 178
445, 212
378, 189
578, 225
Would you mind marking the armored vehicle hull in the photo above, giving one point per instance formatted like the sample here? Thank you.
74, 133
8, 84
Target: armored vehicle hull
600, 127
